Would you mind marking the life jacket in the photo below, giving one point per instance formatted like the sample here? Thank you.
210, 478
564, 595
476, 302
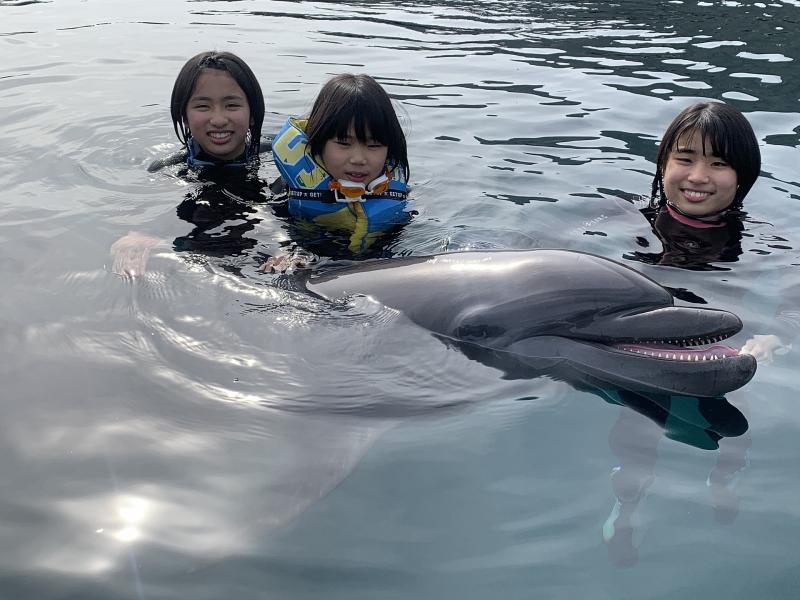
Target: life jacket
313, 196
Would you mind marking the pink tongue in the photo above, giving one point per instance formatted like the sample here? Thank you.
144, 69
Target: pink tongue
716, 349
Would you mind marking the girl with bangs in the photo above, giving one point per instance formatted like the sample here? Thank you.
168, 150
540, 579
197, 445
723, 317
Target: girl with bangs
346, 164
707, 162
217, 110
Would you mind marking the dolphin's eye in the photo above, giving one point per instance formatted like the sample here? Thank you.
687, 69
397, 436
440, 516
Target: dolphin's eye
478, 332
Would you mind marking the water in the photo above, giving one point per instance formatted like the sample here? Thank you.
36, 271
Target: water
205, 432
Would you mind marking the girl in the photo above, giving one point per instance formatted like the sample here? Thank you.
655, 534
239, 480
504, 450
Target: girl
707, 162
217, 112
346, 165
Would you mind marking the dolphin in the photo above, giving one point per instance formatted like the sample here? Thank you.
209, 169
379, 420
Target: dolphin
562, 313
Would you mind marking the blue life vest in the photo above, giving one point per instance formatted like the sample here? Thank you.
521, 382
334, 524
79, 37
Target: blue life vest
312, 199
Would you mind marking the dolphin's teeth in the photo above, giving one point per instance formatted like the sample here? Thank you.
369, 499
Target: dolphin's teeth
660, 355
705, 358
683, 357
674, 357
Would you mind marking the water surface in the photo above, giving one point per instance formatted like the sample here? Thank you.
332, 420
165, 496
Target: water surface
205, 432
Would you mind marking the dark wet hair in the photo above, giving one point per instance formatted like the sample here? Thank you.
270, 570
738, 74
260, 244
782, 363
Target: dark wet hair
361, 101
731, 137
241, 73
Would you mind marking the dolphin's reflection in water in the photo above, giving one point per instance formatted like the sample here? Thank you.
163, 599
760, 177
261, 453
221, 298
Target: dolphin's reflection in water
644, 419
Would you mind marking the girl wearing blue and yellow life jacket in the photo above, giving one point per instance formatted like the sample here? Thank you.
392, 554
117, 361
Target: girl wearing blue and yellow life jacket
346, 165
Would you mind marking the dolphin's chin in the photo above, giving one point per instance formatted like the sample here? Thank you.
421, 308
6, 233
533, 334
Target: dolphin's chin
711, 371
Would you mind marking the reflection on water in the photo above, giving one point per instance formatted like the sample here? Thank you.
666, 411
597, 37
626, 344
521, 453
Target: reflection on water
687, 247
200, 431
633, 440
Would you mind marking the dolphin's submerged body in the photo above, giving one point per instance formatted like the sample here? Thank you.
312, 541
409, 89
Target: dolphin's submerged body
566, 314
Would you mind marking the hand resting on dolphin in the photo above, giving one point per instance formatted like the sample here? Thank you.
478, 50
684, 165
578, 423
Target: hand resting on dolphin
540, 312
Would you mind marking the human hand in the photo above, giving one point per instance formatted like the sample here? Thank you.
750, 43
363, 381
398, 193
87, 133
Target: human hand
283, 263
764, 347
130, 254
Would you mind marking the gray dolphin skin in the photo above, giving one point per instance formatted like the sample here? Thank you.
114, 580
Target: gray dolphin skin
556, 312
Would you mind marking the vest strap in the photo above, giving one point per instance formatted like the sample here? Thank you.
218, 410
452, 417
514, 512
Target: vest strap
330, 196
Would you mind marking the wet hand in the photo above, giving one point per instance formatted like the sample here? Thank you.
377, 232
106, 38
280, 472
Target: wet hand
764, 347
283, 263
130, 254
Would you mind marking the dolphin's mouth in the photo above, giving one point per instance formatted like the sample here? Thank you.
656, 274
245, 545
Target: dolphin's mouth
686, 351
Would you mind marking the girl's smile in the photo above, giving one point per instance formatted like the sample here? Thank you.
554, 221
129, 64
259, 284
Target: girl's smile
218, 115
696, 182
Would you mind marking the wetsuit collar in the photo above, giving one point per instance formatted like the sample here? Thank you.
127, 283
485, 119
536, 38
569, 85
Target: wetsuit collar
197, 159
712, 221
